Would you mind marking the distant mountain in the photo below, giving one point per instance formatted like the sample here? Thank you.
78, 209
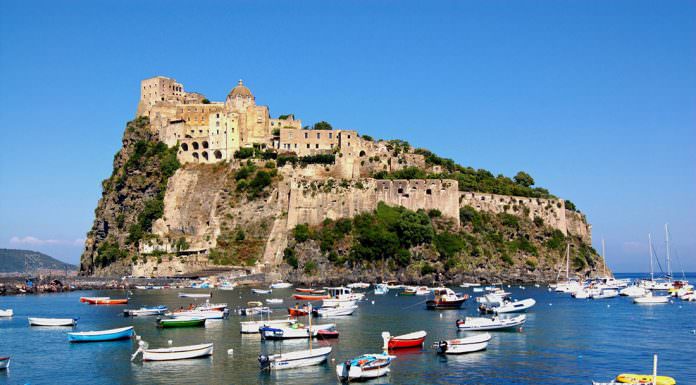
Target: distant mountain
27, 261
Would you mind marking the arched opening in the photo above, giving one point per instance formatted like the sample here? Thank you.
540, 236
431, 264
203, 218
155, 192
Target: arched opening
184, 147
195, 145
205, 144
362, 153
205, 155
195, 156
218, 154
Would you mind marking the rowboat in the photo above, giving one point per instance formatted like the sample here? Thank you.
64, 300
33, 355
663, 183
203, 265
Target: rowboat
310, 297
410, 340
327, 334
649, 298
303, 290
274, 300
280, 285
445, 298
336, 311
295, 331
364, 366
206, 314
495, 323
261, 291
174, 353
52, 321
145, 311
180, 322
86, 299
295, 359
102, 335
298, 311
108, 301
195, 295
4, 363
463, 345
252, 327
6, 313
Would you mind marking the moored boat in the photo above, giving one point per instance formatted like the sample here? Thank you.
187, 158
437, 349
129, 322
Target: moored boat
381, 289
422, 290
86, 299
261, 291
294, 331
471, 344
336, 311
649, 298
310, 297
358, 285
296, 359
180, 322
326, 334
445, 298
509, 306
252, 327
304, 290
145, 311
109, 301
410, 340
6, 313
364, 367
280, 285
102, 335
206, 314
178, 352
4, 363
298, 311
274, 300
494, 323
34, 321
605, 293
408, 290
195, 295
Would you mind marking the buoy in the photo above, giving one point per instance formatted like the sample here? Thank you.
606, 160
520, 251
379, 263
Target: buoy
550, 304
169, 342
373, 301
230, 352
440, 315
608, 305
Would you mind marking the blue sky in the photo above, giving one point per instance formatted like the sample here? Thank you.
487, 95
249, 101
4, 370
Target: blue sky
595, 99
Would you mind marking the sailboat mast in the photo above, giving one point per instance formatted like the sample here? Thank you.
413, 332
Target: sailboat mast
567, 262
669, 264
604, 258
650, 254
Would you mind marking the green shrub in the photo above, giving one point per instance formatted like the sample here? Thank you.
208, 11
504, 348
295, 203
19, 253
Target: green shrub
244, 153
434, 213
310, 267
301, 233
538, 221
290, 257
427, 268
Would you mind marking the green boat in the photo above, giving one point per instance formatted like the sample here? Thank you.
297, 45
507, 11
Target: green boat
180, 322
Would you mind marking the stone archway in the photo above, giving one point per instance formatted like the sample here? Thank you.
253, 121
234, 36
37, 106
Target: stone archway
184, 147
195, 156
195, 145
217, 154
205, 155
205, 144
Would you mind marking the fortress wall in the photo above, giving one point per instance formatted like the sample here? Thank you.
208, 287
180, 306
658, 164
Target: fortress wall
417, 194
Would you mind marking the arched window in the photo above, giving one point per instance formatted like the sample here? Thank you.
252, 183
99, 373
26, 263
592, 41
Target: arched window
184, 147
195, 145
205, 155
195, 156
205, 144
218, 154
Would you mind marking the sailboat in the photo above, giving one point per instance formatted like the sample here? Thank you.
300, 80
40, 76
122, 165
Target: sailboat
567, 286
666, 283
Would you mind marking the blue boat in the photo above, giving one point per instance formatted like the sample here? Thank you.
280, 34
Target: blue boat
102, 335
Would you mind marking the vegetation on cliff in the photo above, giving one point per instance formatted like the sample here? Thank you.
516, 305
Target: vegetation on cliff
28, 261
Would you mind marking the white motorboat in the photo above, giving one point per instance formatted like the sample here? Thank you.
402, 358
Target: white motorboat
509, 306
295, 331
295, 359
280, 285
471, 344
274, 300
469, 284
649, 298
341, 296
381, 289
33, 321
584, 293
336, 311
494, 323
494, 299
358, 285
689, 296
4, 363
252, 327
6, 313
261, 291
206, 314
364, 367
174, 353
145, 311
606, 293
211, 306
422, 290
195, 295
633, 291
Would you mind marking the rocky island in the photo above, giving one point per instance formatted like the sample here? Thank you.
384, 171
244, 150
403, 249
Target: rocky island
202, 185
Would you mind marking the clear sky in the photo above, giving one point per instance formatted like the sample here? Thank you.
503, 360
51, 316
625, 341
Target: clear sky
595, 99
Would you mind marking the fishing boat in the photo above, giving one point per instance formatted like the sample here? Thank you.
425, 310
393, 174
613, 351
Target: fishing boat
310, 297
261, 291
408, 290
359, 285
381, 289
110, 301
649, 298
494, 323
606, 293
6, 313
195, 295
280, 285
173, 353
295, 359
274, 300
509, 306
410, 340
295, 331
364, 367
102, 335
87, 299
471, 344
4, 363
52, 321
445, 298
336, 311
252, 327
180, 322
298, 311
206, 314
341, 296
145, 311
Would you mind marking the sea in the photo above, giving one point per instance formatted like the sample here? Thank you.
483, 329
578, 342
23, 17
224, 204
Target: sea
564, 341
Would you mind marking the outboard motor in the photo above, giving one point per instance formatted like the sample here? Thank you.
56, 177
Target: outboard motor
440, 346
264, 361
345, 374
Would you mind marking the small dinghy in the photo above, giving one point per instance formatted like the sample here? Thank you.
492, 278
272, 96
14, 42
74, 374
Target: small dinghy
6, 313
273, 301
261, 291
252, 327
4, 363
295, 331
471, 344
180, 322
109, 301
649, 299
298, 311
364, 367
145, 311
102, 335
325, 334
280, 285
205, 314
408, 290
410, 340
295, 359
87, 299
310, 297
494, 323
195, 295
336, 311
52, 321
174, 353
304, 290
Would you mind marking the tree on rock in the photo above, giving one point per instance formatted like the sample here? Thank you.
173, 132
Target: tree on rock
524, 179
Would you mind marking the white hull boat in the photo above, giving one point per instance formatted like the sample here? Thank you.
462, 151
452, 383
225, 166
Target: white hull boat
467, 284
364, 367
252, 327
651, 299
271, 333
145, 311
381, 289
261, 291
606, 293
274, 301
495, 323
326, 303
422, 290
280, 285
296, 359
463, 345
52, 321
358, 285
176, 353
513, 306
4, 363
206, 314
211, 306
336, 311
6, 313
633, 291
582, 294
195, 295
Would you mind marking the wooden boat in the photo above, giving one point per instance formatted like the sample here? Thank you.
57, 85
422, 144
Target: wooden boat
180, 322
295, 359
86, 299
52, 321
261, 291
336, 311
175, 353
325, 334
6, 313
145, 311
445, 298
495, 323
295, 331
280, 285
410, 340
206, 314
195, 295
303, 290
474, 343
364, 367
109, 301
4, 363
310, 297
252, 327
298, 311
102, 335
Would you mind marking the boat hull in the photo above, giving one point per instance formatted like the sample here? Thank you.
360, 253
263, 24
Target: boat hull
4, 363
180, 323
297, 359
348, 372
178, 353
290, 333
195, 295
475, 324
6, 313
103, 335
52, 321
444, 305
252, 327
310, 297
464, 345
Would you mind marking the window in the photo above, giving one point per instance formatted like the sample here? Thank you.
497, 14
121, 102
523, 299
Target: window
306, 135
318, 135
400, 190
307, 145
429, 192
348, 136
316, 145
330, 135
295, 145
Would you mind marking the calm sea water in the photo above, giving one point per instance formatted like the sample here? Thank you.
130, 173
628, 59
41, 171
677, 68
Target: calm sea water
565, 341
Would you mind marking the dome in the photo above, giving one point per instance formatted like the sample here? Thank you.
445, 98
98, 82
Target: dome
240, 90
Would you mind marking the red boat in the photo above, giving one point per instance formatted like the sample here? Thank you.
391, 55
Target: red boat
410, 340
309, 297
303, 290
298, 311
99, 301
327, 334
